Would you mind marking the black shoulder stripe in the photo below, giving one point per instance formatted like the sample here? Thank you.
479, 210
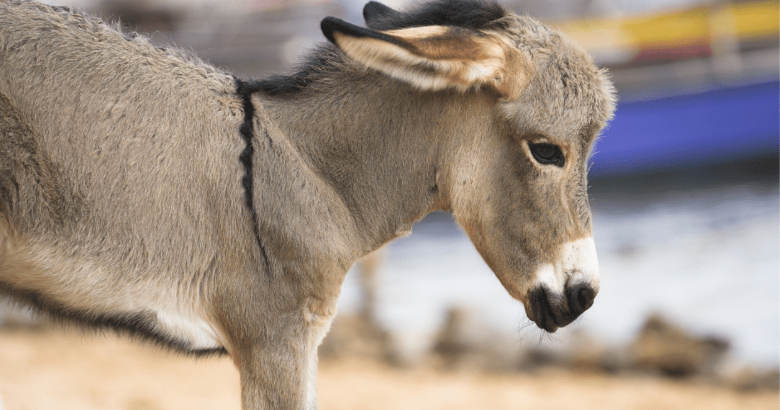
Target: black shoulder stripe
245, 90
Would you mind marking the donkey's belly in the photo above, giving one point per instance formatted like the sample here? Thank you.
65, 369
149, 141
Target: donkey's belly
78, 289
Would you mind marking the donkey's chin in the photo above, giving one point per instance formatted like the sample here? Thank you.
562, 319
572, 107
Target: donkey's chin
563, 291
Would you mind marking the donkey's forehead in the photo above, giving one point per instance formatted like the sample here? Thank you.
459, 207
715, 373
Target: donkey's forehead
564, 127
553, 107
568, 95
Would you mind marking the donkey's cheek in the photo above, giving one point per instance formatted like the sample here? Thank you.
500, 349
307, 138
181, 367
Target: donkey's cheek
515, 282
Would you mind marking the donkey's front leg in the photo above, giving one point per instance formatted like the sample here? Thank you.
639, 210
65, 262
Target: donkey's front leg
275, 375
279, 369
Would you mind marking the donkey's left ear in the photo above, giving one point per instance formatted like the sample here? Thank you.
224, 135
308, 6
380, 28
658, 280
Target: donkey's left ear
434, 57
375, 11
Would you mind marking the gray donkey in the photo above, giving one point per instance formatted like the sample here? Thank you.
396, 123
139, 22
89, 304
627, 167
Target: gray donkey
146, 191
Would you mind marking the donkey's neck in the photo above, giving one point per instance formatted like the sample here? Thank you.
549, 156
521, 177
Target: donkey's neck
375, 142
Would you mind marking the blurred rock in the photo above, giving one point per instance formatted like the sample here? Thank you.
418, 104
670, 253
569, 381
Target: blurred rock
456, 337
589, 354
748, 378
537, 357
464, 342
353, 335
664, 347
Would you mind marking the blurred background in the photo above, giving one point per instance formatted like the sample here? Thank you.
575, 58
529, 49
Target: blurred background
684, 190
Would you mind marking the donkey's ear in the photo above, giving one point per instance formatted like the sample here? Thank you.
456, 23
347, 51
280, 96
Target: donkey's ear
434, 57
374, 11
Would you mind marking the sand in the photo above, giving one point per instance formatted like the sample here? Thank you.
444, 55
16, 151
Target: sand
61, 369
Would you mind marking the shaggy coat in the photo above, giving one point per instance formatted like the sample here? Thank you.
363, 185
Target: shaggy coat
146, 191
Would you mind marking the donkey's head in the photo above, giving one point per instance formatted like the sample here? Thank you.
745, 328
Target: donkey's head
516, 181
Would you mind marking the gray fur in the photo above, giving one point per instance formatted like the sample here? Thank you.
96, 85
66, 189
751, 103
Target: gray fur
121, 200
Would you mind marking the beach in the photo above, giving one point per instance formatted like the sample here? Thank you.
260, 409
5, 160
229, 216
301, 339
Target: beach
69, 369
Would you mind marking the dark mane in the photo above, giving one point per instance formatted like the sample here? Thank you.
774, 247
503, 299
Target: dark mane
320, 61
473, 14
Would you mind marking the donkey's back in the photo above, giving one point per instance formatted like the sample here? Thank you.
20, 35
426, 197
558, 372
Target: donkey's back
68, 74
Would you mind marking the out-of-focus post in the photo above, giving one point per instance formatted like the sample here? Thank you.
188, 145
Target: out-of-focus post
368, 267
724, 43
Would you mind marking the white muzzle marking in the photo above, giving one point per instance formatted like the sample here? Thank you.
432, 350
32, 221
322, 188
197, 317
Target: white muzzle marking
578, 264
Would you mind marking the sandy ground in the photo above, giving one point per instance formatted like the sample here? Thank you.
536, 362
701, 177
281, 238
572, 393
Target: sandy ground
70, 370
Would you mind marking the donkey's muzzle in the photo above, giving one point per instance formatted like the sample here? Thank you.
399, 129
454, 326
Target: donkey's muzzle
550, 310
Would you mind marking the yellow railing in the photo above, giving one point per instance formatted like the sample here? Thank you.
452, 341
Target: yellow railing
745, 21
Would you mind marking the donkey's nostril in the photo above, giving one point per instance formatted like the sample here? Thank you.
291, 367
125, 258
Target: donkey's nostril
553, 310
580, 298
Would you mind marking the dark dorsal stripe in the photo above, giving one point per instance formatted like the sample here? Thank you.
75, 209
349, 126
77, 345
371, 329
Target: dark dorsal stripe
247, 130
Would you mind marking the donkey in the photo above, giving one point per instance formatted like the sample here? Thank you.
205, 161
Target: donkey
146, 191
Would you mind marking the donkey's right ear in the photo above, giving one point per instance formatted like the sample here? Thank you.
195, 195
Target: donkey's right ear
375, 11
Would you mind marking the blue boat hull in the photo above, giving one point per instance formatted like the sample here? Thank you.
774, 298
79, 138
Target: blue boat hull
729, 123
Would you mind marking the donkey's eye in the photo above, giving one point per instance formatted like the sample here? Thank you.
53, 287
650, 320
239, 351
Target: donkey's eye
547, 154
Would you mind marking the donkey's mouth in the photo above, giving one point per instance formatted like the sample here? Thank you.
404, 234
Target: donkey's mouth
540, 310
565, 289
550, 310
